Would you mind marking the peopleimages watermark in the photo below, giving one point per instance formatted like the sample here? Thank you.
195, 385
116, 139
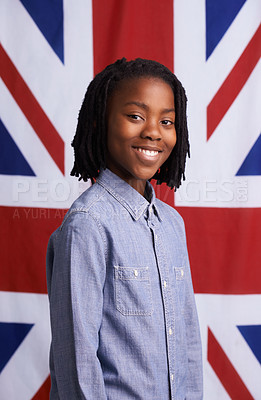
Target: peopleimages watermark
191, 191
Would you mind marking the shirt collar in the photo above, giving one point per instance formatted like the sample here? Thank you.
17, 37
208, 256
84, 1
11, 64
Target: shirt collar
129, 198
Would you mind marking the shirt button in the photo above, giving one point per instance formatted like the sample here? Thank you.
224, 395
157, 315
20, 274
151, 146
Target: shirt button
165, 284
182, 272
156, 237
136, 273
172, 377
170, 331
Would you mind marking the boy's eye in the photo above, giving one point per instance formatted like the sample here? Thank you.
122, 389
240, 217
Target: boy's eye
167, 122
134, 116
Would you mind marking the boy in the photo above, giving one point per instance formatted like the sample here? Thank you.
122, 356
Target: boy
123, 316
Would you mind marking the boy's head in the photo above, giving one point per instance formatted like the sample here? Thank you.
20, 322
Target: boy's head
90, 141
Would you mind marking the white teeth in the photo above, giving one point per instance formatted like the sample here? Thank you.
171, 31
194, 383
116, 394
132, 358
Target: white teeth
148, 152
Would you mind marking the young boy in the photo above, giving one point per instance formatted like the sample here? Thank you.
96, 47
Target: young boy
123, 316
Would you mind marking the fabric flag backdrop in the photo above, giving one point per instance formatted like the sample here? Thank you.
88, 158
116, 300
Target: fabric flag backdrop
50, 51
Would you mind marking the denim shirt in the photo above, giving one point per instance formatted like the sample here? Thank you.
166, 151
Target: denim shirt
123, 316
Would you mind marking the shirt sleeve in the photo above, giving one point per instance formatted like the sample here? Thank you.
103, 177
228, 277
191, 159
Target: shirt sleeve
194, 347
75, 278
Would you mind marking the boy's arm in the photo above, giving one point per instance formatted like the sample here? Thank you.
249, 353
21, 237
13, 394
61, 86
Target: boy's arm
75, 277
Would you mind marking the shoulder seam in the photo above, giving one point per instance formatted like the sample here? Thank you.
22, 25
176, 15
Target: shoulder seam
89, 213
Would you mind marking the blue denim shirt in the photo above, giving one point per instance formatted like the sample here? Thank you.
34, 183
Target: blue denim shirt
123, 316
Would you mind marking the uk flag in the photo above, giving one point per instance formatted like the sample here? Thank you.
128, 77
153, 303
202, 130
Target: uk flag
49, 52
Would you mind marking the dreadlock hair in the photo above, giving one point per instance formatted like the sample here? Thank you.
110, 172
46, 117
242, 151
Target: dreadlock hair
90, 140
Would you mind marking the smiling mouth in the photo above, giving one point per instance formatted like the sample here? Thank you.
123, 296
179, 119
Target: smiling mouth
150, 153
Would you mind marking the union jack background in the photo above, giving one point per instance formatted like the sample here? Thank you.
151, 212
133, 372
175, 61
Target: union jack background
49, 53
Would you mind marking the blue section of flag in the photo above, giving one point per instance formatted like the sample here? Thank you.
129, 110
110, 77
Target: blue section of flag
252, 162
48, 16
11, 336
12, 162
219, 16
252, 335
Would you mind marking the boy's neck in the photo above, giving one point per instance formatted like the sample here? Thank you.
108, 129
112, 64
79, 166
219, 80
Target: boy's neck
138, 185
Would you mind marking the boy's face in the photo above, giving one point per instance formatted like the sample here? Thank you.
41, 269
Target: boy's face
140, 129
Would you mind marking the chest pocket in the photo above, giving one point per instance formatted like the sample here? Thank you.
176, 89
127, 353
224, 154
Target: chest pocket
133, 290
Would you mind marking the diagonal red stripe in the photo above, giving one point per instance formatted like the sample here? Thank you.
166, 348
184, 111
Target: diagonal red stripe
225, 371
233, 84
36, 116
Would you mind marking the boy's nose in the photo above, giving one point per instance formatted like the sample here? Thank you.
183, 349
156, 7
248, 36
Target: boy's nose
151, 131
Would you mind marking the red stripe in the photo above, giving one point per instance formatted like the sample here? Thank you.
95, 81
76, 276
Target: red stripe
32, 110
224, 249
24, 236
136, 28
233, 84
225, 371
224, 260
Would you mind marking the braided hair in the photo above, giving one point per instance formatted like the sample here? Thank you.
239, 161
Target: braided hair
90, 140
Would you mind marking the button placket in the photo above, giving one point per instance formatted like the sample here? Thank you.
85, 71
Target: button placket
168, 304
